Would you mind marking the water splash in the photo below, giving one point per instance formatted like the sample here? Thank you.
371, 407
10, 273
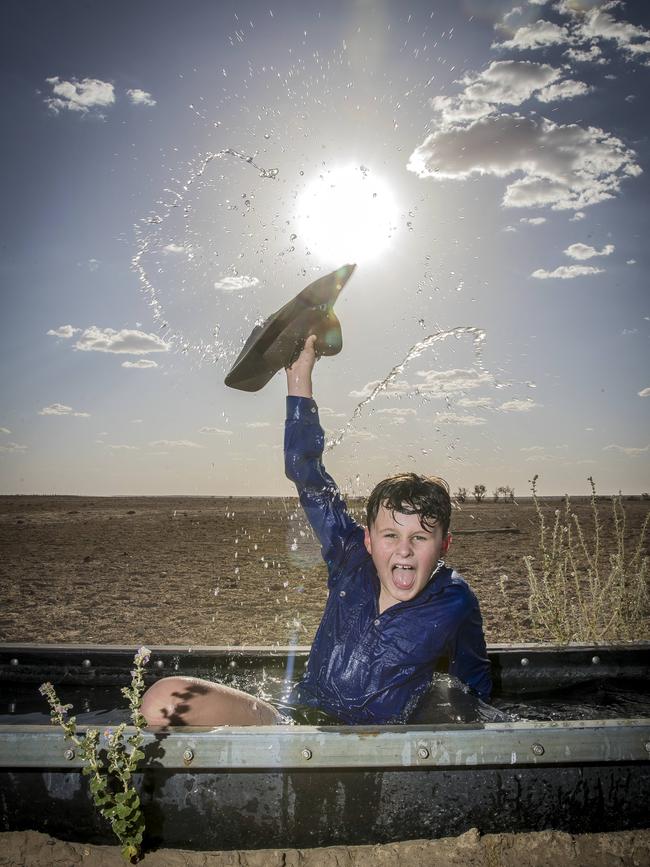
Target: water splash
148, 233
478, 336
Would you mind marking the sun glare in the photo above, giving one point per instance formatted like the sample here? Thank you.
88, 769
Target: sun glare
347, 215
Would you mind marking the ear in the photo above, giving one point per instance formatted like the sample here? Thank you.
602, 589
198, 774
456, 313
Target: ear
366, 540
446, 542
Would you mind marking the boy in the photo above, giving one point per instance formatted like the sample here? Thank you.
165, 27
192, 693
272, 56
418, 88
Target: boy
394, 607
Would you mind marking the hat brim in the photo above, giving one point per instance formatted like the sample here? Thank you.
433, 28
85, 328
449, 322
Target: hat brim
279, 339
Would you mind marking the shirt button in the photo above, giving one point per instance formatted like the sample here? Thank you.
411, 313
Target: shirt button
342, 593
377, 622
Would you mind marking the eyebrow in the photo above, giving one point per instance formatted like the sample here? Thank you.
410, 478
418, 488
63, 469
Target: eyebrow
418, 532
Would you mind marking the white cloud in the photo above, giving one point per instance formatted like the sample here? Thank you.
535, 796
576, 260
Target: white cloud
563, 166
256, 424
579, 215
174, 248
118, 448
566, 272
531, 449
128, 341
236, 284
591, 54
568, 89
62, 409
93, 264
590, 24
81, 96
517, 405
533, 221
187, 444
436, 382
630, 261
396, 411
584, 251
454, 418
65, 331
630, 451
140, 97
329, 412
214, 430
508, 82
634, 40
4, 430
451, 381
539, 34
473, 402
13, 447
645, 392
140, 364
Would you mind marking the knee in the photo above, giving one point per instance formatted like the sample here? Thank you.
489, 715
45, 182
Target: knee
161, 701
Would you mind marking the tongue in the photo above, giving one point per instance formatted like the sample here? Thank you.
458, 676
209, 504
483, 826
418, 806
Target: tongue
403, 578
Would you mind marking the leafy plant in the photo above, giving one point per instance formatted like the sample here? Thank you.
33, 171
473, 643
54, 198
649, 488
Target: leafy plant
461, 495
577, 593
111, 777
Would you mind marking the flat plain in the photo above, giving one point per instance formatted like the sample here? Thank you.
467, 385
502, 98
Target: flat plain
230, 571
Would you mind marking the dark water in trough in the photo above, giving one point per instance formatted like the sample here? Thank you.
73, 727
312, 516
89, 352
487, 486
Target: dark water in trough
618, 698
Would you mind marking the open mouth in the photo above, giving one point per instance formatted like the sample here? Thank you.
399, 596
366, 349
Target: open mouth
403, 576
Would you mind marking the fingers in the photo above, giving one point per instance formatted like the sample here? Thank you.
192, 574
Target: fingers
307, 355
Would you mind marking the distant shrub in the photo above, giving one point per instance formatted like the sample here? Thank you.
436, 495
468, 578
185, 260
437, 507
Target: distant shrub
479, 492
576, 592
461, 495
506, 492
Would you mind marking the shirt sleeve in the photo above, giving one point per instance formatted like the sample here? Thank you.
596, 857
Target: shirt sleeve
468, 659
340, 536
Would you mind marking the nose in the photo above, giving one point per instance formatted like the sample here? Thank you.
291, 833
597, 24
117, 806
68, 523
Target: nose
404, 547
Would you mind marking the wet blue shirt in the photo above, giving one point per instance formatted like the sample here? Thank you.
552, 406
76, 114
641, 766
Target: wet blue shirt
366, 667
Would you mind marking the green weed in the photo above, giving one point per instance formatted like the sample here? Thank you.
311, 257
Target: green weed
111, 777
582, 589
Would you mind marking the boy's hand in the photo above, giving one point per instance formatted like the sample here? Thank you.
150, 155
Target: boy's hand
299, 374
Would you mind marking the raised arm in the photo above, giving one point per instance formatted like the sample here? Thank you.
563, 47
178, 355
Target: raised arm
338, 533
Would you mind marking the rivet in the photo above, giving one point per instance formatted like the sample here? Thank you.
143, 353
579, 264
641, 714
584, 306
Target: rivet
538, 749
86, 663
69, 755
159, 663
13, 661
423, 753
377, 621
524, 661
306, 753
647, 746
342, 593
188, 755
595, 660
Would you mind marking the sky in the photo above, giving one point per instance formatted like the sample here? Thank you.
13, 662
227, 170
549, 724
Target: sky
175, 172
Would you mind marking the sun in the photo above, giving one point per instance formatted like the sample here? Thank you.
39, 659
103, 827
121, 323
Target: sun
346, 214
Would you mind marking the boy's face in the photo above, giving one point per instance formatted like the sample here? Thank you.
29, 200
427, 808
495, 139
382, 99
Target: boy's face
404, 553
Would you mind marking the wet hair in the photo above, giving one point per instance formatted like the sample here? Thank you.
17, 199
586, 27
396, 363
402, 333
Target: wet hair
411, 494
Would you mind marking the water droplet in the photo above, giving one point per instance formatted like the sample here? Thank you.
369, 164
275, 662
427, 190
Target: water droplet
292, 237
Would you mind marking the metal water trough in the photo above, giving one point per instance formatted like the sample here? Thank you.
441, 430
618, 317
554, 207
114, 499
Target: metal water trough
297, 786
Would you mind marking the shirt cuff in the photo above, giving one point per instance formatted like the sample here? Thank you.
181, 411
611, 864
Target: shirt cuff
302, 409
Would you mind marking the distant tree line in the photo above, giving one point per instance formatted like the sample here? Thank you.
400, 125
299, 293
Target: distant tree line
503, 492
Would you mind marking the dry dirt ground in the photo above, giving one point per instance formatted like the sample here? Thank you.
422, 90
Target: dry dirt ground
623, 849
224, 571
